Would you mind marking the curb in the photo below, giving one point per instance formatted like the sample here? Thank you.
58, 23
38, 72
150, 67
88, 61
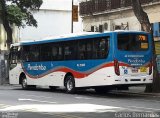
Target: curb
138, 93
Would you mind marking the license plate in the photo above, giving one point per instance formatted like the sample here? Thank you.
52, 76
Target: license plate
134, 70
143, 69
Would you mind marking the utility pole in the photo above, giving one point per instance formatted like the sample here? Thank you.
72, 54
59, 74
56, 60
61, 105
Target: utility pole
74, 15
72, 18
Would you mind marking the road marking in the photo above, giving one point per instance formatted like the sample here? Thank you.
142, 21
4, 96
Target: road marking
61, 108
33, 100
2, 106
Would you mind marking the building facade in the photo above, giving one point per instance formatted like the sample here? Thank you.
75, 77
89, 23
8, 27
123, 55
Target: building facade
109, 15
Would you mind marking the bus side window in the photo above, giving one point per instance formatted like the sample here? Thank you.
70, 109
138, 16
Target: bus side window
89, 49
34, 53
60, 53
103, 45
100, 48
26, 51
70, 50
45, 50
54, 53
14, 56
81, 50
31, 53
95, 49
57, 52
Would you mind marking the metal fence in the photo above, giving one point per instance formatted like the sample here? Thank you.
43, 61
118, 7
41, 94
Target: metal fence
95, 6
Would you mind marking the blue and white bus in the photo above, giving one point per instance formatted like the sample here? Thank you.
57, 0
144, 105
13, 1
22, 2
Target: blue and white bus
86, 60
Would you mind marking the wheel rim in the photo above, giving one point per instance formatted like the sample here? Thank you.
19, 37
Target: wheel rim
69, 85
24, 83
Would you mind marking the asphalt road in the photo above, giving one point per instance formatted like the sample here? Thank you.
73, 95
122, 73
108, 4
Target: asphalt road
44, 103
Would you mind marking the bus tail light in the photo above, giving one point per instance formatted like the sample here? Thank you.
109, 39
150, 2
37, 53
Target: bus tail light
116, 67
150, 67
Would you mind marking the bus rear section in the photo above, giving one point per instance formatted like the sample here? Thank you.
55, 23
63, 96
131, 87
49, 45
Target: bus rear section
133, 58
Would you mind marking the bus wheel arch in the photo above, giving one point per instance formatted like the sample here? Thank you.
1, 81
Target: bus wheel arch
23, 81
69, 83
21, 77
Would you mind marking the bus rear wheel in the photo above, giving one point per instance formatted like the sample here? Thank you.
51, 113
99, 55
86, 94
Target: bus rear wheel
70, 84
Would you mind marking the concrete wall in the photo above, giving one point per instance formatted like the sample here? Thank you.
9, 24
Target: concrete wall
50, 23
54, 18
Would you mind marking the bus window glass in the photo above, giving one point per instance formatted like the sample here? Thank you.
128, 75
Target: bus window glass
89, 49
70, 50
82, 49
46, 50
100, 48
34, 53
67, 52
60, 53
26, 53
56, 51
31, 53
14, 55
103, 47
132, 42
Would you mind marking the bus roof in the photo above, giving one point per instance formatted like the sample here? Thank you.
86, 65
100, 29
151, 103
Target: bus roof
72, 36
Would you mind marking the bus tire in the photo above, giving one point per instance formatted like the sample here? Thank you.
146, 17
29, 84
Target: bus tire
70, 84
24, 82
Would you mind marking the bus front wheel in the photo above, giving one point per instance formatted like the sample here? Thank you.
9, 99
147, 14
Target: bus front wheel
24, 82
70, 84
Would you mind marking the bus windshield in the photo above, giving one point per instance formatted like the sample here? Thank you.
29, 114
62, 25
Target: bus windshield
132, 42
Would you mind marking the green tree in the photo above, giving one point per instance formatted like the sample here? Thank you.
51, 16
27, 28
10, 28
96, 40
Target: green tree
146, 26
18, 12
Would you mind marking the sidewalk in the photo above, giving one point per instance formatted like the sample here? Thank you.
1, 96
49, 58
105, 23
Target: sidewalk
139, 90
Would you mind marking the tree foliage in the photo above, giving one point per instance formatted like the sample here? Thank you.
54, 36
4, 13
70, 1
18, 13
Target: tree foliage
15, 16
18, 12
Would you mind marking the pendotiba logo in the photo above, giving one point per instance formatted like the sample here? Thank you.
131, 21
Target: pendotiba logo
136, 61
36, 67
